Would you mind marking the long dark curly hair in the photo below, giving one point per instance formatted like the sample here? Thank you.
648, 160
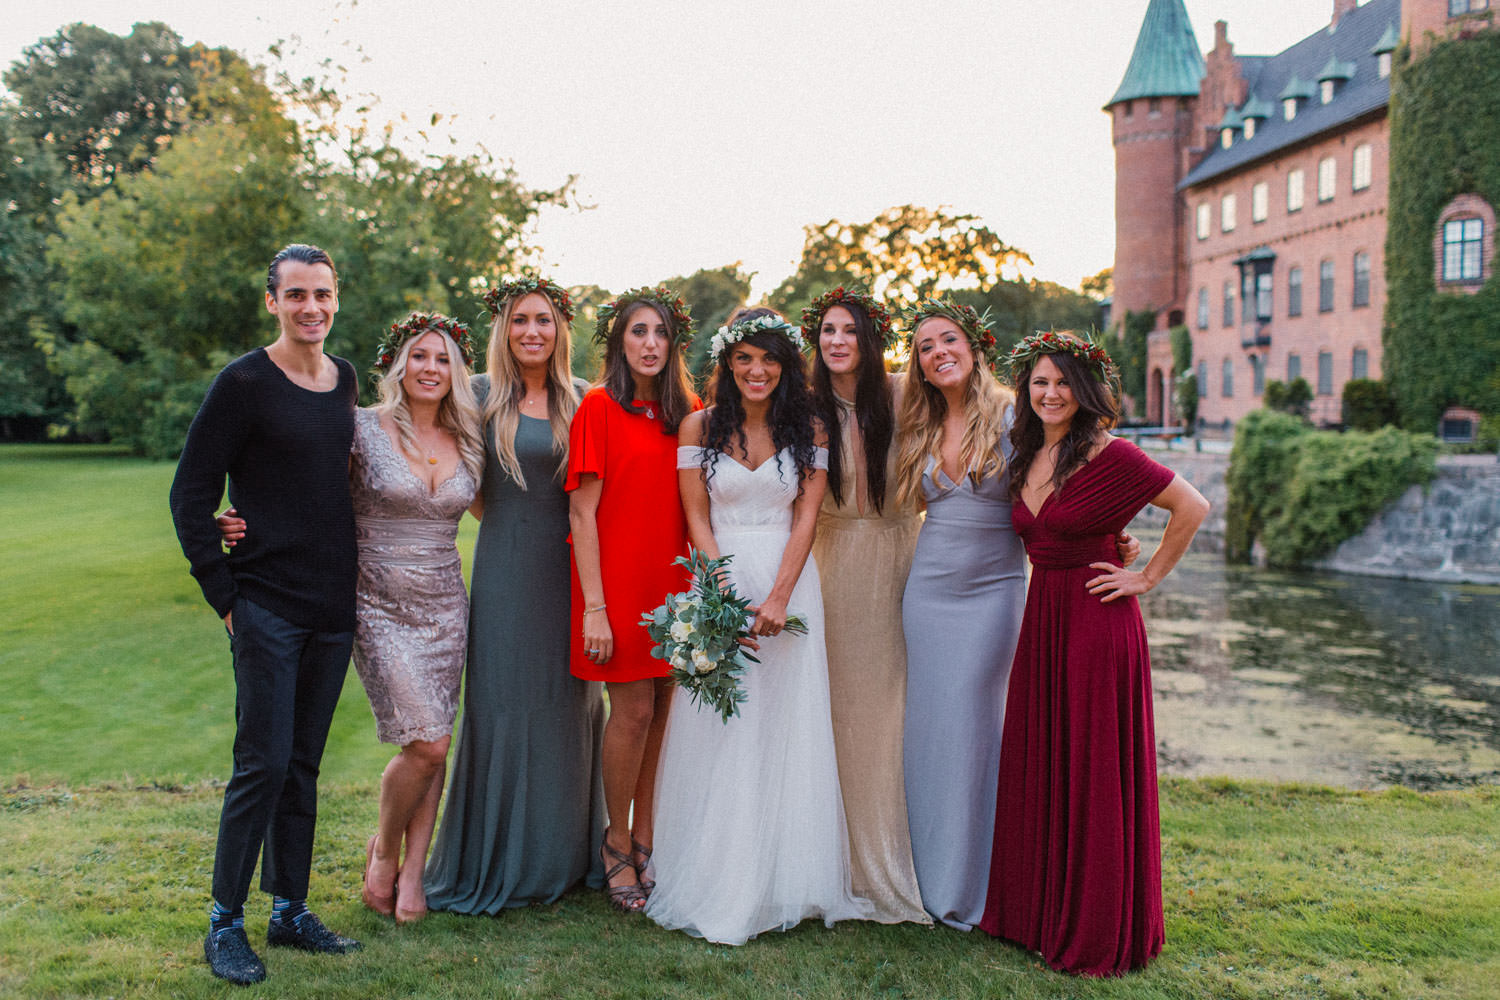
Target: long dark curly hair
1098, 411
673, 384
791, 414
874, 407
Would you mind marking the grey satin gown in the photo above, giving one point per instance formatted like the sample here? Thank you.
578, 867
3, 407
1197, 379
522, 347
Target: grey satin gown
525, 805
961, 614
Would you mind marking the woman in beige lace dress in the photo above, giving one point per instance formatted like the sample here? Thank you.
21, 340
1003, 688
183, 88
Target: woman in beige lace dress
863, 549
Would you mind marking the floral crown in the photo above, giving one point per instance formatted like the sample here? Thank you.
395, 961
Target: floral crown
736, 332
661, 295
1081, 346
496, 298
415, 325
976, 327
880, 317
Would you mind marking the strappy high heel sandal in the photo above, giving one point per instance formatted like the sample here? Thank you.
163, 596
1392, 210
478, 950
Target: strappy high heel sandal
625, 898
640, 851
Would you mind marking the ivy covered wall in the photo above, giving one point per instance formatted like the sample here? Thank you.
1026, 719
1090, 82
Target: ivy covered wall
1441, 349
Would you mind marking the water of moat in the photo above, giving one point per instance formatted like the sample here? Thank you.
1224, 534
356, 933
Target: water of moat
1321, 677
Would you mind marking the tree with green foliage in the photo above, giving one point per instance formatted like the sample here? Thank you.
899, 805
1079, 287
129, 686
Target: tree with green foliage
902, 255
1367, 405
1442, 346
1293, 398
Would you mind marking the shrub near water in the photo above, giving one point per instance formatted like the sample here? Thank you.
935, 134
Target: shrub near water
1301, 492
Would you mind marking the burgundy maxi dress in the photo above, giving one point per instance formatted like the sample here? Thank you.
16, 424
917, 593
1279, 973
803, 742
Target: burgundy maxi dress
1075, 872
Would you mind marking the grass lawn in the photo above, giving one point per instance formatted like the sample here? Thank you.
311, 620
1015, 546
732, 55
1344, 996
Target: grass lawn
117, 715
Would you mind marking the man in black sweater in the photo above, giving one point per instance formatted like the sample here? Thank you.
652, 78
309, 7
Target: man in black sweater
278, 422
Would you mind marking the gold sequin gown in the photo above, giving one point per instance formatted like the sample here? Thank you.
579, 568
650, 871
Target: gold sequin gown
864, 558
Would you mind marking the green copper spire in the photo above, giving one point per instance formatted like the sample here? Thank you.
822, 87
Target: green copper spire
1166, 61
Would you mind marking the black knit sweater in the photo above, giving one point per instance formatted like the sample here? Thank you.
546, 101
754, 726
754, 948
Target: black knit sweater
285, 450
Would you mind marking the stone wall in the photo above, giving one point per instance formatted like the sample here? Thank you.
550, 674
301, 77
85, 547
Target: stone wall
1448, 531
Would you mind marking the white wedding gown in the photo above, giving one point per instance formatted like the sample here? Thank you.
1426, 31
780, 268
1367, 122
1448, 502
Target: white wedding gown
750, 833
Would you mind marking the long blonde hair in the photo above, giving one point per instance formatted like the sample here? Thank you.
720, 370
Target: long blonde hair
922, 411
458, 413
502, 410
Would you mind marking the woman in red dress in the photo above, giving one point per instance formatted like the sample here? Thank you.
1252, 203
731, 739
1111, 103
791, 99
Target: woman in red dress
1075, 872
628, 527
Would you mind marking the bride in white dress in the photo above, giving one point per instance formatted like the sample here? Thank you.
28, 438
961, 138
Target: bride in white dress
750, 833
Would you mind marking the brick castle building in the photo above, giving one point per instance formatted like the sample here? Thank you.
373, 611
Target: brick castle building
1250, 203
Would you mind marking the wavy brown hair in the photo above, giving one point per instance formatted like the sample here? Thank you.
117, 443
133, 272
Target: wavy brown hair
1098, 411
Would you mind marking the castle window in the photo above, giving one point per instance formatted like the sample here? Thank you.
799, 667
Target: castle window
1257, 374
1360, 367
1294, 292
1463, 241
1226, 137
1325, 92
1325, 373
1226, 214
1229, 303
1328, 176
1249, 128
1293, 368
1204, 220
1260, 202
1202, 380
1362, 278
1203, 308
1128, 110
1247, 294
1296, 188
1227, 382
1361, 166
1383, 64
1325, 286
1289, 108
1153, 108
1263, 296
1457, 7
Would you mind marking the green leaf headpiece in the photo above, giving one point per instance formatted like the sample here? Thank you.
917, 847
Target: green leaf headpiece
661, 295
1081, 346
416, 324
880, 317
976, 327
496, 298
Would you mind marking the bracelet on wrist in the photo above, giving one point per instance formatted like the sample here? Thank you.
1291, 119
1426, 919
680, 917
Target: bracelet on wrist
589, 611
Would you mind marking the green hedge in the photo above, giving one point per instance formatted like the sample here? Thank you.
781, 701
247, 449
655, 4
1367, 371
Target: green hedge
1301, 492
1441, 349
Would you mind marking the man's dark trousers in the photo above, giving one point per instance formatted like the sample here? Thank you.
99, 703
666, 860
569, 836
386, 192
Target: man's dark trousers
287, 684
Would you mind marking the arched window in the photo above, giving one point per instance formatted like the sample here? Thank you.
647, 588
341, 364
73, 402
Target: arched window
1463, 245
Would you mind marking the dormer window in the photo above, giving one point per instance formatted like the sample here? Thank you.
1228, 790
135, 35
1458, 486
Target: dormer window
1226, 137
1325, 91
1292, 95
1383, 64
1249, 128
1384, 48
1334, 74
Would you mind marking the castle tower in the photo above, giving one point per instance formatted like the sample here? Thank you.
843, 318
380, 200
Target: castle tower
1152, 116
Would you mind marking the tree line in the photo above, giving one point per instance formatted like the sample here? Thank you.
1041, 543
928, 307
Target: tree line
146, 180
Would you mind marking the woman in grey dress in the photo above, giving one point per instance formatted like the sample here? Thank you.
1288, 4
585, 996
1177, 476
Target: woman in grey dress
525, 803
961, 611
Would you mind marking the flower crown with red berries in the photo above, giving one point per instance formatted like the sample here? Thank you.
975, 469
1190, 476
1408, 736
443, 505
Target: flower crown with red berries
1082, 346
976, 327
496, 298
880, 317
415, 325
661, 295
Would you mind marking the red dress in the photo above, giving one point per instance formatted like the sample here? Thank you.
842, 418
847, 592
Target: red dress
641, 528
1075, 871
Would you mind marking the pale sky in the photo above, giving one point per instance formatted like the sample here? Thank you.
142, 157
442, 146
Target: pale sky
705, 133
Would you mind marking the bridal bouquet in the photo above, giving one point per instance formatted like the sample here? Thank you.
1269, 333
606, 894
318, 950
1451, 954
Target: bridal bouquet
698, 632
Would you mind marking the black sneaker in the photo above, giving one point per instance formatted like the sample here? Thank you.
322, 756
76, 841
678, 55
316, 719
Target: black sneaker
230, 957
309, 934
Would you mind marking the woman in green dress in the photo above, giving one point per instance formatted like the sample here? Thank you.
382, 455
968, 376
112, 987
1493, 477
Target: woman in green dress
525, 804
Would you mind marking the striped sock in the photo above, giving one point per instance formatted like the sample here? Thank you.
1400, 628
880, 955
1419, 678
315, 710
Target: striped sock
221, 918
287, 912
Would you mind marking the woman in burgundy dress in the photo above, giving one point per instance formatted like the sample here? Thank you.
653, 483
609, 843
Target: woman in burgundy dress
1075, 872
